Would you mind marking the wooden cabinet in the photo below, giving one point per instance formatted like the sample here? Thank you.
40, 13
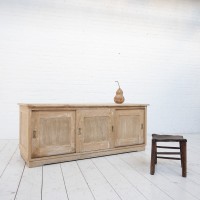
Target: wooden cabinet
58, 133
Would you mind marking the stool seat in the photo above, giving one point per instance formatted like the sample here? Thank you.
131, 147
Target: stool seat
168, 138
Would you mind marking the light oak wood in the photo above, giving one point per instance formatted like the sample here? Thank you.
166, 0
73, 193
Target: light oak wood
94, 129
129, 127
24, 129
58, 133
53, 133
78, 156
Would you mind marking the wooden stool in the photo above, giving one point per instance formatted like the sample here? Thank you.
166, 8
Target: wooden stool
169, 138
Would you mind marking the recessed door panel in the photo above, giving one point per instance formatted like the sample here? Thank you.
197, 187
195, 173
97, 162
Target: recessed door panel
129, 127
94, 129
53, 133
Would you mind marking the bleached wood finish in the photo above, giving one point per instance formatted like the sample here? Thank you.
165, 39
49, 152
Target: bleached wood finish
129, 127
24, 129
53, 133
94, 129
57, 133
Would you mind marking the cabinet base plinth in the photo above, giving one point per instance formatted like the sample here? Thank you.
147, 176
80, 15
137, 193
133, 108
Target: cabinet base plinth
78, 156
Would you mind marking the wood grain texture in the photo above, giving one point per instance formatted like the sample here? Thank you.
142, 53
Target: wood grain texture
94, 129
24, 129
54, 133
86, 105
57, 133
129, 127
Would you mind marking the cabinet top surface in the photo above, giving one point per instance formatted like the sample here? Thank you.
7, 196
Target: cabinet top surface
82, 105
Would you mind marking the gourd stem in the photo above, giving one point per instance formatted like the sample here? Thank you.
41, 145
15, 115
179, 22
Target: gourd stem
118, 83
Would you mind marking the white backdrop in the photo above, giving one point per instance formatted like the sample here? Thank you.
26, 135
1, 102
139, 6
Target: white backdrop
72, 52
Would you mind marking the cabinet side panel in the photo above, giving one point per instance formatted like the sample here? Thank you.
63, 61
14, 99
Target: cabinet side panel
24, 129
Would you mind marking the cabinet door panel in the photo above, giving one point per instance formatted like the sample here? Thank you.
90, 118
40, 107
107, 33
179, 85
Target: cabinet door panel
94, 129
53, 133
129, 127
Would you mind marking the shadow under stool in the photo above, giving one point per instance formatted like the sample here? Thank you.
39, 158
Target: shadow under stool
169, 138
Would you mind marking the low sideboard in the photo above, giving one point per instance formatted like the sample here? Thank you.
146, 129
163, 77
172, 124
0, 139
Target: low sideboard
52, 133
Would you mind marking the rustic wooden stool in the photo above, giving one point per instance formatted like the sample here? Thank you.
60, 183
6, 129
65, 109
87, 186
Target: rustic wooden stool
169, 138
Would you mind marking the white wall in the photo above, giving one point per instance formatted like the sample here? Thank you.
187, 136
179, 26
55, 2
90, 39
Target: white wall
54, 51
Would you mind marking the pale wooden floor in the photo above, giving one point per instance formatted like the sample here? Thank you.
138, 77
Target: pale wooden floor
124, 176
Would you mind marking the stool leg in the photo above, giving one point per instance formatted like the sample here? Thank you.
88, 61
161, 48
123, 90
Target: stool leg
153, 157
156, 154
183, 149
180, 146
